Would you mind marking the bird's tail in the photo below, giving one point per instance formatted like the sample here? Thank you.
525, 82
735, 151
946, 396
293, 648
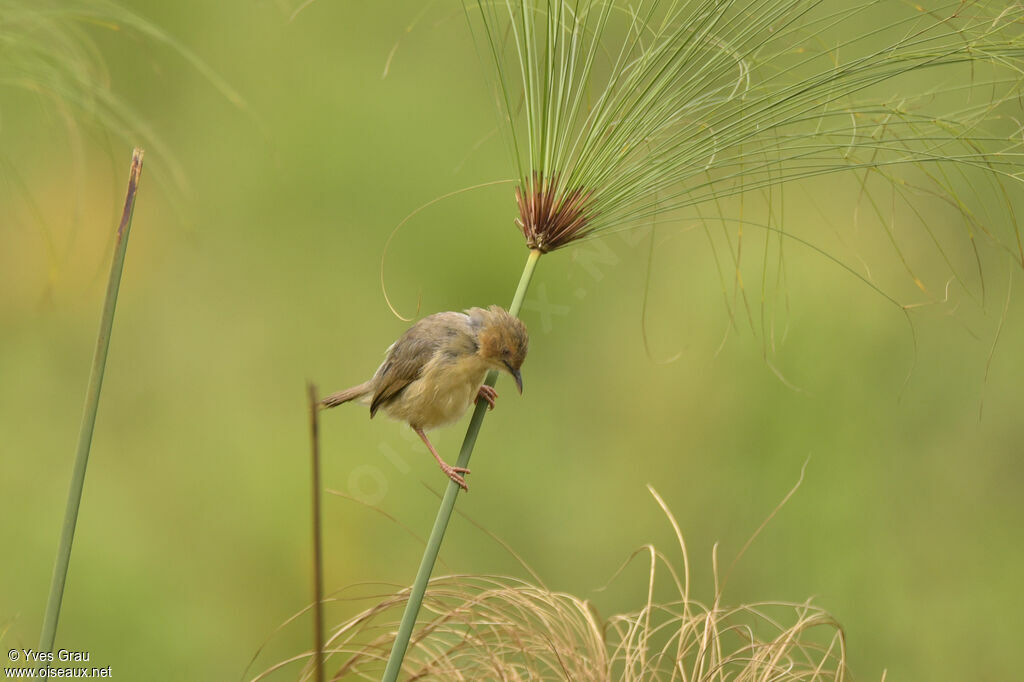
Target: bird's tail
354, 393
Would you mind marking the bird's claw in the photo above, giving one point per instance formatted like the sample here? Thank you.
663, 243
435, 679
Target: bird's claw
453, 473
488, 395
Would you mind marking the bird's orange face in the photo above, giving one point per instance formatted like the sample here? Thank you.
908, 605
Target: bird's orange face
504, 342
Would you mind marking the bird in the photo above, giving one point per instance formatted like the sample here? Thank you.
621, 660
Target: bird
436, 370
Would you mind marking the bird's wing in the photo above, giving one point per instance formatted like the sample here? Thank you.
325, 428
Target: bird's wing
410, 354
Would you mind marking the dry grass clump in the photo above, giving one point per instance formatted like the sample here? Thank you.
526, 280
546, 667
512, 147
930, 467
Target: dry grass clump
499, 628
474, 627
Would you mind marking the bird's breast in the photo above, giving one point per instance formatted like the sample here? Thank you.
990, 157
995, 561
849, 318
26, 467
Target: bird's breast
444, 390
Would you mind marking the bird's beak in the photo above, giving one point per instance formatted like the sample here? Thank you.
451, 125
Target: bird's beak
517, 376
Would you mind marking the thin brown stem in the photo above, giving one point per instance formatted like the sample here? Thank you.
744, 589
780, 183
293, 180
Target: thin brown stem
318, 553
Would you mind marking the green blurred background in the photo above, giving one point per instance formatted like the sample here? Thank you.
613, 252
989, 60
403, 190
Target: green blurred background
261, 269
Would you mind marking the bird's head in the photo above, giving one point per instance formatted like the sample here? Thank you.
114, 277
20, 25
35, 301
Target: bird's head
502, 340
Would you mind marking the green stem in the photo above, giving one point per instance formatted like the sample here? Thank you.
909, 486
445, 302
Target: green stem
92, 399
419, 586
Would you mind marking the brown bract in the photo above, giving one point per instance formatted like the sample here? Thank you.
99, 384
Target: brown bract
550, 218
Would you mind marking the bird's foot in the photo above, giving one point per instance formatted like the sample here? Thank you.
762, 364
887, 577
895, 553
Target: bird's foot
450, 471
454, 474
487, 394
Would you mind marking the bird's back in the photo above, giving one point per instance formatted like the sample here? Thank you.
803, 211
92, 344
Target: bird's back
431, 374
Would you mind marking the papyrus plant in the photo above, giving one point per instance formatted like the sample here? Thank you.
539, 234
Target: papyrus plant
623, 112
619, 112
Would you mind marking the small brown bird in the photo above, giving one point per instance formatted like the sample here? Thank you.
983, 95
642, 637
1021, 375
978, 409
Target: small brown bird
436, 370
